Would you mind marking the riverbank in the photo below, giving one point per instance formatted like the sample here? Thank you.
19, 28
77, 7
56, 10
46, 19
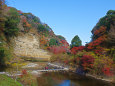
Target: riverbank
33, 72
107, 79
8, 81
110, 79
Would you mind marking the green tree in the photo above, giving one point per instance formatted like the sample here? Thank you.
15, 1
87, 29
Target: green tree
53, 42
41, 28
76, 42
5, 54
2, 55
111, 12
11, 23
60, 37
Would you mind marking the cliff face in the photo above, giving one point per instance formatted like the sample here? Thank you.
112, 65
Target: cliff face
27, 41
27, 45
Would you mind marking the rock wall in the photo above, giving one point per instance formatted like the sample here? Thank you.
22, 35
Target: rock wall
27, 45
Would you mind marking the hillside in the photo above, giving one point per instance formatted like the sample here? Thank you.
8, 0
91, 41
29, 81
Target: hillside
106, 28
24, 35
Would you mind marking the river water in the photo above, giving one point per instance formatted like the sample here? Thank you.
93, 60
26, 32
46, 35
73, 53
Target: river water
69, 79
65, 79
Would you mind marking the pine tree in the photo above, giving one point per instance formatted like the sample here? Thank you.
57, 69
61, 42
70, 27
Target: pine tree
76, 42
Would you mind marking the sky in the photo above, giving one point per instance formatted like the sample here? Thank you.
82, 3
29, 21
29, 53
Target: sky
67, 17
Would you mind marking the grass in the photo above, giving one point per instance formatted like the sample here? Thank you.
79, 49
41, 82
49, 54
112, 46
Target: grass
7, 81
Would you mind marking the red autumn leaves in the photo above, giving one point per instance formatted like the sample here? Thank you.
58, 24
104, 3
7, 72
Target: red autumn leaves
63, 48
74, 50
57, 49
100, 31
100, 35
87, 61
97, 42
107, 71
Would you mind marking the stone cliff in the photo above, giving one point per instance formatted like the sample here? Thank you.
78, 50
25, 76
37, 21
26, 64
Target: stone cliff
27, 45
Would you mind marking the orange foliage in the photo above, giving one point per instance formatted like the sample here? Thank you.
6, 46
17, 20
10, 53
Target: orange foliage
26, 24
97, 42
43, 40
100, 31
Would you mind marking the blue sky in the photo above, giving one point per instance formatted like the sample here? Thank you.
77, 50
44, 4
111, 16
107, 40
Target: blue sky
67, 17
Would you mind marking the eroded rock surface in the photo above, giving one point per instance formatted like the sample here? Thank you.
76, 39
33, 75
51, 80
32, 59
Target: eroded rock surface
27, 45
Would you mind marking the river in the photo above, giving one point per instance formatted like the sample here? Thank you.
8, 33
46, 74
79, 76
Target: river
65, 79
69, 79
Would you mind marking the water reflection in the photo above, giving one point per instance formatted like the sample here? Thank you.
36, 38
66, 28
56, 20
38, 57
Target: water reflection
65, 83
68, 83
69, 79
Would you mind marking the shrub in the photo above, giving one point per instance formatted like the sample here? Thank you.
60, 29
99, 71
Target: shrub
43, 40
27, 79
74, 50
26, 25
24, 72
57, 49
107, 71
87, 61
102, 62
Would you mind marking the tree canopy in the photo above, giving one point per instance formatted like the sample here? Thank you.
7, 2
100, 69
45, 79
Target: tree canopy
53, 42
76, 42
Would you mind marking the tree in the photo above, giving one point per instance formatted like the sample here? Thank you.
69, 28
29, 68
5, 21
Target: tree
41, 28
53, 42
11, 24
76, 42
60, 37
2, 19
5, 54
2, 55
110, 12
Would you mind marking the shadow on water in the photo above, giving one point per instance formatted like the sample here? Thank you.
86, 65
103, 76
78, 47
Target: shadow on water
69, 79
